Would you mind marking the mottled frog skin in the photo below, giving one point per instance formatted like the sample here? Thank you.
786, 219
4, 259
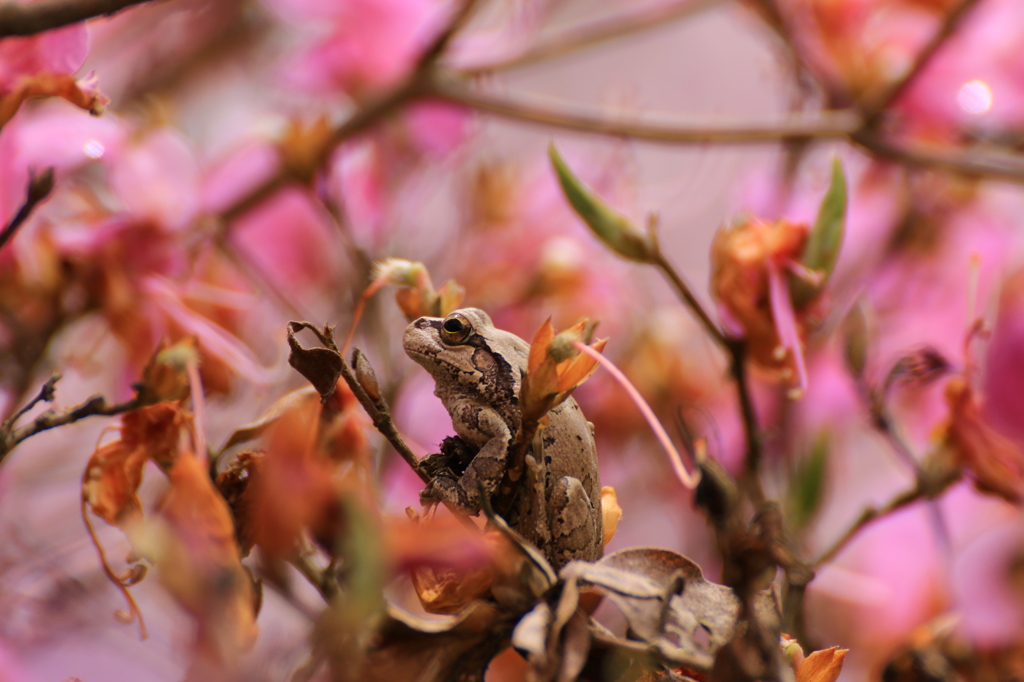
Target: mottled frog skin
478, 370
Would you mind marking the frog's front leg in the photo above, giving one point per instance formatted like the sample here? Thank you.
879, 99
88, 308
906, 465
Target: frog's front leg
487, 467
573, 518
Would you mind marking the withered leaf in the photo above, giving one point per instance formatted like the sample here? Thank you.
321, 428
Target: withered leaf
668, 603
320, 366
405, 647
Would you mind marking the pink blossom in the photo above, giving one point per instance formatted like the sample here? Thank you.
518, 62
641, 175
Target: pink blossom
54, 136
366, 43
228, 179
977, 79
158, 179
436, 128
991, 605
288, 241
59, 51
1004, 362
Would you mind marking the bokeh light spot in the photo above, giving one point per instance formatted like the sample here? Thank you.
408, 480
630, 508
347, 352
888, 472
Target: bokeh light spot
93, 149
975, 97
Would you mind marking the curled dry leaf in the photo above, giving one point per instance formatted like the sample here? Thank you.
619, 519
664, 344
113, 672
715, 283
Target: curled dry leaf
669, 604
450, 565
192, 544
320, 366
294, 488
995, 461
114, 472
405, 647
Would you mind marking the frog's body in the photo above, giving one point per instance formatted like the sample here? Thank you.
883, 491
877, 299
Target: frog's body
478, 372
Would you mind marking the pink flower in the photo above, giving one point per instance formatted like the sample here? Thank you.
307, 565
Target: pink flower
1004, 361
977, 80
367, 44
288, 242
985, 588
157, 179
59, 51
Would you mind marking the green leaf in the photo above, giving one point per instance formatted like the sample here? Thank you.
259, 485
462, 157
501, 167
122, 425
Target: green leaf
610, 226
826, 239
807, 485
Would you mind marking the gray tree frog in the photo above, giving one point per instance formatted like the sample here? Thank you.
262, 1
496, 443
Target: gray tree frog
478, 370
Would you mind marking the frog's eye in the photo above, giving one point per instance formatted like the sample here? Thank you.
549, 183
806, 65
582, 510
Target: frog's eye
455, 329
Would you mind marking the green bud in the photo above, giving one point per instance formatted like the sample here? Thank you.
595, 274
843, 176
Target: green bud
856, 339
610, 226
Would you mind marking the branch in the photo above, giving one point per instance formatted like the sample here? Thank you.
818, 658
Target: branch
590, 33
951, 160
382, 421
837, 124
929, 485
46, 394
39, 187
95, 406
22, 19
735, 348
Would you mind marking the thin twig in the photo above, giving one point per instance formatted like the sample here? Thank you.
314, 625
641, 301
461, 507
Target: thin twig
950, 23
590, 33
735, 348
686, 293
868, 515
382, 421
46, 394
457, 21
39, 187
24, 19
927, 487
93, 407
837, 124
751, 479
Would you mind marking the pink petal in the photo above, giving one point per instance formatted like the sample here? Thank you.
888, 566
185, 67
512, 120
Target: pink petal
785, 322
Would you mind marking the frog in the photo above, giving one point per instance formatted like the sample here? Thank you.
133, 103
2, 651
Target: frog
478, 370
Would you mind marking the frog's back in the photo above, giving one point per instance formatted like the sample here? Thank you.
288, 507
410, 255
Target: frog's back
569, 448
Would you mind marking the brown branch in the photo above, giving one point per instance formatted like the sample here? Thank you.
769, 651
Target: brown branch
929, 485
380, 415
46, 394
954, 161
96, 406
39, 187
590, 33
23, 19
685, 292
838, 124
735, 348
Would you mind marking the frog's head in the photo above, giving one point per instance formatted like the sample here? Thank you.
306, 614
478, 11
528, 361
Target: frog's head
465, 348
